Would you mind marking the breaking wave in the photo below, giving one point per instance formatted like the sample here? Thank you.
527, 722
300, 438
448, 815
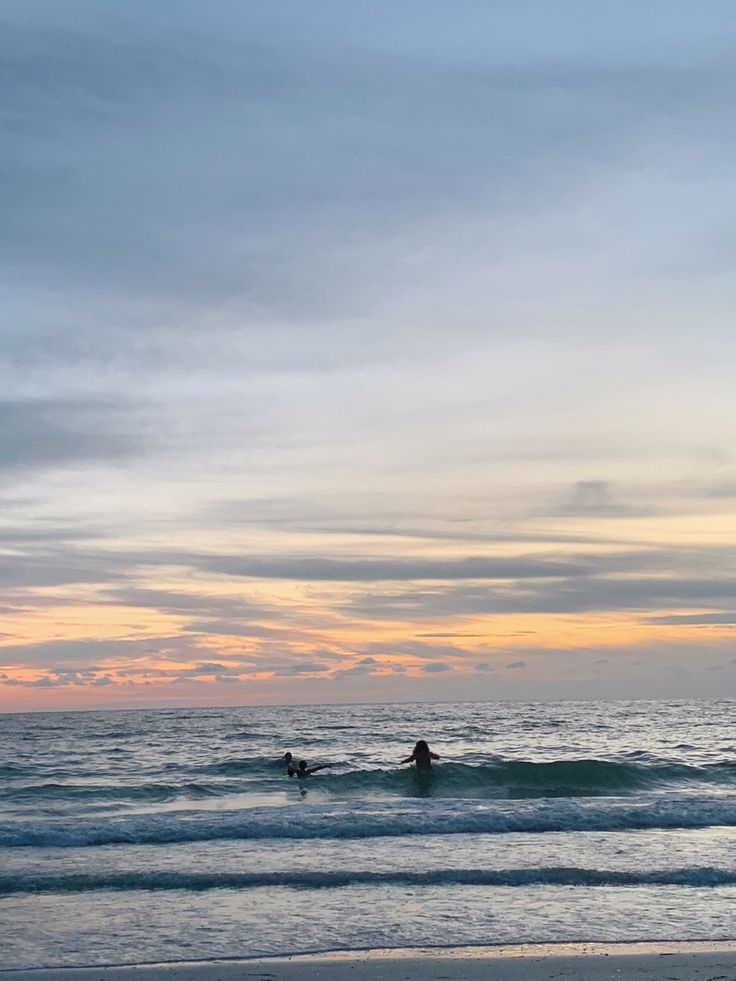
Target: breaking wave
377, 819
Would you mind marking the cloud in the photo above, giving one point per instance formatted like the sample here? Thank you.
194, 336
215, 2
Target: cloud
62, 678
435, 667
16, 537
365, 666
222, 674
326, 518
64, 567
516, 665
157, 158
370, 570
695, 619
300, 667
44, 682
40, 433
575, 595
596, 498
413, 648
196, 602
723, 488
77, 653
232, 628
211, 668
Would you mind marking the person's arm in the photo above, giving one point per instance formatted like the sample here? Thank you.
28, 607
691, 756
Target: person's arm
292, 772
322, 766
409, 759
435, 756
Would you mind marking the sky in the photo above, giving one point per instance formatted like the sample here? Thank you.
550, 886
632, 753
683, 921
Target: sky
366, 352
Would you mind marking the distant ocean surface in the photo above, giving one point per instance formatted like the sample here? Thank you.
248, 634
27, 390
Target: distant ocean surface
139, 836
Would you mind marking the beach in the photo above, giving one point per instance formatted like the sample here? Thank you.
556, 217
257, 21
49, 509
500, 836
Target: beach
711, 961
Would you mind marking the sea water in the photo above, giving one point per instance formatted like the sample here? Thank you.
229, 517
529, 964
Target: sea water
176, 834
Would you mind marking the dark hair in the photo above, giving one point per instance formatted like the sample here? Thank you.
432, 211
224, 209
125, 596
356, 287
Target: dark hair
302, 764
421, 747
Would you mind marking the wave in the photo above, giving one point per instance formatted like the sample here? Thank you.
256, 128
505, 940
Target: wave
363, 819
9, 770
234, 766
511, 779
526, 778
72, 882
146, 792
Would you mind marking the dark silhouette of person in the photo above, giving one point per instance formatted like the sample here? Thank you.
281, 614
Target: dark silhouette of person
422, 756
303, 771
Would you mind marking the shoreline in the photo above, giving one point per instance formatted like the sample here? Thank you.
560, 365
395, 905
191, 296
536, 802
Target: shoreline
654, 960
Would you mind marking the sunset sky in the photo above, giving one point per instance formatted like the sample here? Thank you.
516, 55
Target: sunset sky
366, 352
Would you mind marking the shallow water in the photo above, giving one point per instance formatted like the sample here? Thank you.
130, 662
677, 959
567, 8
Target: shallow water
184, 821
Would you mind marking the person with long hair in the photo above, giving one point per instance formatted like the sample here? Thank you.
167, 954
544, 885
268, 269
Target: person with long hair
422, 756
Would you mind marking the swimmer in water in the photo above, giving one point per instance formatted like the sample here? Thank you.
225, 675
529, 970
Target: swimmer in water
422, 756
303, 770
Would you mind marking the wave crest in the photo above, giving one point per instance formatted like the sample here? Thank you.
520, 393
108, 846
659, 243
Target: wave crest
362, 819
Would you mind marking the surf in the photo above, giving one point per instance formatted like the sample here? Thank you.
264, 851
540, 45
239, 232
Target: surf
377, 819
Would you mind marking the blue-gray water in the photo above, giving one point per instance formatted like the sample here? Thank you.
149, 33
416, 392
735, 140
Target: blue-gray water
176, 835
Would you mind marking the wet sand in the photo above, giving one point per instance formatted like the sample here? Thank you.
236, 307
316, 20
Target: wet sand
696, 961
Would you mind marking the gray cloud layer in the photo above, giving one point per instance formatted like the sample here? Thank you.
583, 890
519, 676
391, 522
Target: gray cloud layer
46, 432
217, 154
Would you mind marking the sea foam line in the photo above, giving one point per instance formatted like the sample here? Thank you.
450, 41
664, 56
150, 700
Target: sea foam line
363, 819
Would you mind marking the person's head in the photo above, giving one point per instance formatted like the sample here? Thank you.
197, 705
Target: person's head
421, 747
302, 764
288, 757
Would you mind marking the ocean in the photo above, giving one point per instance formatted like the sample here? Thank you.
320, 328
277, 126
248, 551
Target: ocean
176, 834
